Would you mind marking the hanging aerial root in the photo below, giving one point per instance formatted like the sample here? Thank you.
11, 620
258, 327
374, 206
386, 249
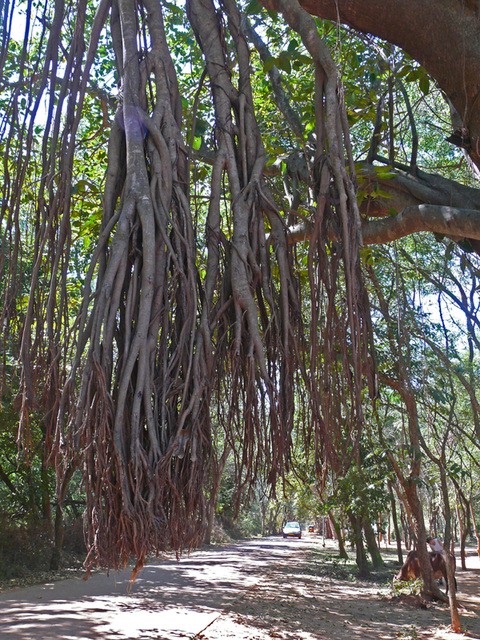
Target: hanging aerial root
346, 334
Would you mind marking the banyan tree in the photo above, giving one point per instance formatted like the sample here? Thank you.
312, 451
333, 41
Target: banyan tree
202, 305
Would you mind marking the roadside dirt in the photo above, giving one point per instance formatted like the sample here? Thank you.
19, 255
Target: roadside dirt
312, 600
261, 589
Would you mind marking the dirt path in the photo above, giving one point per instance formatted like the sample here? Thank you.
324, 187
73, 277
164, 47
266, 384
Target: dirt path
269, 588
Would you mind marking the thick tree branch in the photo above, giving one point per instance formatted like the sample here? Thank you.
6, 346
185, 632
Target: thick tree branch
407, 188
423, 202
458, 224
449, 221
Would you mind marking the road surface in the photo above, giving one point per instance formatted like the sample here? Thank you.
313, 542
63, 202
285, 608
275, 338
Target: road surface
255, 590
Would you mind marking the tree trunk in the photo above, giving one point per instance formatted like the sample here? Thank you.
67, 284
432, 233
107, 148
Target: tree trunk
379, 529
361, 557
398, 537
463, 515
372, 545
59, 536
400, 346
46, 502
430, 589
450, 560
475, 527
452, 594
342, 552
406, 529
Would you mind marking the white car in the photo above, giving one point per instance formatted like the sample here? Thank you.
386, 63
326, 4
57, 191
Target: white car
292, 530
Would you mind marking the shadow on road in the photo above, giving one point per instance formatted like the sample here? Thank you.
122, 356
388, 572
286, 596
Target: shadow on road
249, 590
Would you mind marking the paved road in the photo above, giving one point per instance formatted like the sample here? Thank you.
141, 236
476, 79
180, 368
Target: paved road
169, 600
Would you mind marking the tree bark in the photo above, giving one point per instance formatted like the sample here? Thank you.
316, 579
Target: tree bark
361, 557
399, 345
423, 202
475, 526
463, 537
398, 537
342, 552
372, 545
452, 593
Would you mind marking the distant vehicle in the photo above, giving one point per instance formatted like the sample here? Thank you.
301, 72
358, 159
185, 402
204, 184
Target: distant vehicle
311, 528
292, 530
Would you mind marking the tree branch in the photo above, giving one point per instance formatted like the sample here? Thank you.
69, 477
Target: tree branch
458, 224
449, 221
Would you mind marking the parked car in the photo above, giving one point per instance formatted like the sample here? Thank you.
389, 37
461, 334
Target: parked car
292, 530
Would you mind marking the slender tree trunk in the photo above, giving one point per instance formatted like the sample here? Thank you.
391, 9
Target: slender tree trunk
406, 532
462, 534
464, 512
409, 484
465, 529
372, 545
452, 594
59, 536
46, 502
361, 557
342, 552
430, 588
475, 527
398, 537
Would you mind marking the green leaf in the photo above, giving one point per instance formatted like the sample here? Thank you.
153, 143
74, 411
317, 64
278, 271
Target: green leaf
201, 127
269, 64
173, 8
283, 62
406, 69
253, 8
293, 46
425, 84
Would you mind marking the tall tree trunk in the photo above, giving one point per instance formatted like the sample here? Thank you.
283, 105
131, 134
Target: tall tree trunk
463, 535
59, 535
398, 538
430, 588
450, 559
372, 545
361, 557
398, 337
452, 594
342, 552
406, 528
475, 527
465, 522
